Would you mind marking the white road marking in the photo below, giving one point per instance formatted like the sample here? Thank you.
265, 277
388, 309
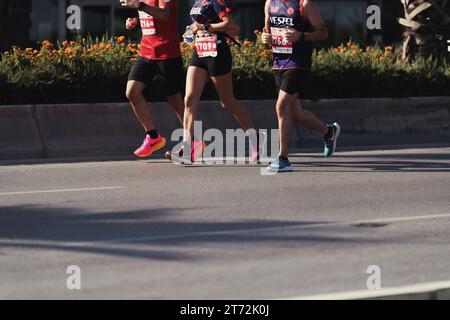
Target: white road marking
402, 219
58, 191
422, 290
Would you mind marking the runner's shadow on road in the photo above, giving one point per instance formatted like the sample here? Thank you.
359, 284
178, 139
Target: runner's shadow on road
386, 163
156, 234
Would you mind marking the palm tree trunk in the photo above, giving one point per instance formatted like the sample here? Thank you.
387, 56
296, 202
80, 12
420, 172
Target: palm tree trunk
427, 28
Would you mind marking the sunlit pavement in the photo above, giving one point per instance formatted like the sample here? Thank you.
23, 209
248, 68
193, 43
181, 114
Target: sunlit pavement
151, 229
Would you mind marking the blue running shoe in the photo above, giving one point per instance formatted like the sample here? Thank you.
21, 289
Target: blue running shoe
331, 140
282, 164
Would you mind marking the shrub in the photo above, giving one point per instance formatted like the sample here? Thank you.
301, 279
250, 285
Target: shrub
90, 70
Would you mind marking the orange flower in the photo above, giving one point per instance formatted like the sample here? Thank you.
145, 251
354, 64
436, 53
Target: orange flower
247, 43
65, 43
120, 39
29, 50
68, 51
47, 44
108, 46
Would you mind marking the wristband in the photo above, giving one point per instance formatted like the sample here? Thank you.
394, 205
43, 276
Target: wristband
141, 6
207, 25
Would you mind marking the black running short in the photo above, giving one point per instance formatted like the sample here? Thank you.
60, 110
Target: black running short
171, 73
292, 81
216, 66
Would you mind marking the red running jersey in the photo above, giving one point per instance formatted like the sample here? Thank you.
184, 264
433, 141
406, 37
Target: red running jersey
160, 39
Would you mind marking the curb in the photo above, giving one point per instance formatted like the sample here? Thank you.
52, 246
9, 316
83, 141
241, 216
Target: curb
425, 291
91, 130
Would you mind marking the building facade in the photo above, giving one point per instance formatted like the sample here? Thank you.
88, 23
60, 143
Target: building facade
46, 19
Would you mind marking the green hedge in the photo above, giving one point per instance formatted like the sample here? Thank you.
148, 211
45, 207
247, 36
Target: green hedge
96, 71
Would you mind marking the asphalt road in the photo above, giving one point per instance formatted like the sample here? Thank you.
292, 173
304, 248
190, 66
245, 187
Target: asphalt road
150, 229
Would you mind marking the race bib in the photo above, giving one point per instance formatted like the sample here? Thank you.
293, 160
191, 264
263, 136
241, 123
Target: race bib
279, 42
147, 24
206, 45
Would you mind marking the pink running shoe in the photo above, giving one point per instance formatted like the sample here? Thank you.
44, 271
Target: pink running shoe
254, 154
149, 146
197, 148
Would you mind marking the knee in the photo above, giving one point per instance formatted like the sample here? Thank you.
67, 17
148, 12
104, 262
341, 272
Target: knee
133, 94
282, 108
190, 102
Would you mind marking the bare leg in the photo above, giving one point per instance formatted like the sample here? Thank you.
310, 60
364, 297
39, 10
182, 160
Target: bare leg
224, 88
284, 109
177, 104
139, 104
196, 81
307, 119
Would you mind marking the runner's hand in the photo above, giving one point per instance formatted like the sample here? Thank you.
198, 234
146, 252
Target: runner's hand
266, 37
196, 27
292, 35
130, 3
131, 23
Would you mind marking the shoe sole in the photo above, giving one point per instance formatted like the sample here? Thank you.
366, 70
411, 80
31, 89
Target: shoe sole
285, 169
155, 148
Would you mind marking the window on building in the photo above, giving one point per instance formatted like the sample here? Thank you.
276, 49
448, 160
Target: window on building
97, 20
44, 20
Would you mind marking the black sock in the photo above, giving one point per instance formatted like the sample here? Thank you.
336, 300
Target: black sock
153, 133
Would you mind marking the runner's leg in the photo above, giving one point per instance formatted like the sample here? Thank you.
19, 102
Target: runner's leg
307, 119
224, 88
284, 106
195, 83
139, 104
177, 104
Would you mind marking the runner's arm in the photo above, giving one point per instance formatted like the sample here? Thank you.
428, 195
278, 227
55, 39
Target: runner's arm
267, 17
159, 13
227, 24
266, 37
320, 32
162, 13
